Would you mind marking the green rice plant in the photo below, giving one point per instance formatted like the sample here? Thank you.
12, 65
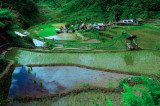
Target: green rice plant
80, 102
34, 73
98, 95
31, 68
67, 100
28, 70
35, 81
92, 97
41, 83
109, 103
16, 75
71, 100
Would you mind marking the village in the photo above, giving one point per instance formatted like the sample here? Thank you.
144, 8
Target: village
79, 53
97, 26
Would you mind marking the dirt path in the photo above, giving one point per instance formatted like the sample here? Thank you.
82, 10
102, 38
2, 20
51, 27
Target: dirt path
7, 69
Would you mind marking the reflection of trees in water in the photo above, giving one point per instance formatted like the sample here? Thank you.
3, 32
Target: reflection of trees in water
24, 84
129, 59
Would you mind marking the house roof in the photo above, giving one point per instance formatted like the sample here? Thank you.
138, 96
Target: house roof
131, 37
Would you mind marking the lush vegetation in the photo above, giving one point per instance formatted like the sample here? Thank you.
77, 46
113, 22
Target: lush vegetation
149, 96
143, 92
24, 14
8, 23
5, 82
3, 64
7, 19
47, 32
77, 11
25, 10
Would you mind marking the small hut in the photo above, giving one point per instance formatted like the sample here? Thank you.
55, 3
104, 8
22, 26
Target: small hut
132, 44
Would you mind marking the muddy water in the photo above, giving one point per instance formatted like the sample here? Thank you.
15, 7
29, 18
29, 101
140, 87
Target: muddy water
58, 79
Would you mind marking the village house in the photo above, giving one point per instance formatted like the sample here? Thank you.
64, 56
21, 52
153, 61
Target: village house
128, 22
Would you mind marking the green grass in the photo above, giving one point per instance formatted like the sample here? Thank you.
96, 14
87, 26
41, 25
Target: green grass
47, 32
147, 38
144, 34
145, 61
91, 98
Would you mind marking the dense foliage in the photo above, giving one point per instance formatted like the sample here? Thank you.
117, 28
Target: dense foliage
8, 23
106, 10
149, 97
3, 64
7, 18
26, 11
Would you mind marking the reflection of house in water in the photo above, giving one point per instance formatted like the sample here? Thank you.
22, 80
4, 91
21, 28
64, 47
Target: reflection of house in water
129, 59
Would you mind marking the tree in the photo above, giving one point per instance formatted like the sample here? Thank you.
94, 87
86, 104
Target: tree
27, 10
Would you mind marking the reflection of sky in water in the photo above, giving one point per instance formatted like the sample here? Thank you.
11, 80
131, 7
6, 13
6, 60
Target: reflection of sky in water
57, 79
65, 77
68, 75
38, 42
58, 38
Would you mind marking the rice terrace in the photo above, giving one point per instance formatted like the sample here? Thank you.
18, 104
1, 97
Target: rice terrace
79, 53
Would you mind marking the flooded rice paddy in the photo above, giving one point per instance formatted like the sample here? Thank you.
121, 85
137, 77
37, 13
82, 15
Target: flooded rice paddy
55, 79
38, 43
63, 36
144, 61
91, 41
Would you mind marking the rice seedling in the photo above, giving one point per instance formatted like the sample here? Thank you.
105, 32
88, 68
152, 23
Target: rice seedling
92, 97
35, 81
28, 70
41, 83
35, 74
31, 68
109, 103
16, 75
98, 95
67, 100
80, 102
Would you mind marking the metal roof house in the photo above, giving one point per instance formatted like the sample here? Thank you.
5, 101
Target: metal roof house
128, 22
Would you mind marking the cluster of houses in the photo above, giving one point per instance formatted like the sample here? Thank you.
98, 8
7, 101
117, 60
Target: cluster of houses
77, 27
98, 26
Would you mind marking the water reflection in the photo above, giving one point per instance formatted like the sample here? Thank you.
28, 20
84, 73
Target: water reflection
129, 59
57, 79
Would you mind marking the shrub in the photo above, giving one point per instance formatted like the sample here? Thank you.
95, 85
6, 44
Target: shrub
28, 39
22, 8
3, 64
67, 25
149, 97
158, 47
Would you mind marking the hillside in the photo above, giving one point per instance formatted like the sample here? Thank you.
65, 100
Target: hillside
77, 11
80, 52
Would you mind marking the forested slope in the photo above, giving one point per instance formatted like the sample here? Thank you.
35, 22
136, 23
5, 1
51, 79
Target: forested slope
106, 10
26, 11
